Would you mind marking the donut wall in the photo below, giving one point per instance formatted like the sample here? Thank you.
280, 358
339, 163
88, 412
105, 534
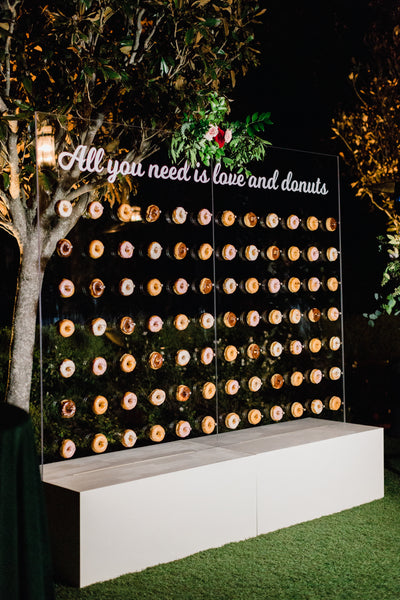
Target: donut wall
195, 308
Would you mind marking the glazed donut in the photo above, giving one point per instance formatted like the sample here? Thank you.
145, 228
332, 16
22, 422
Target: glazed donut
96, 288
333, 313
314, 315
181, 321
154, 250
182, 393
180, 286
230, 319
229, 285
253, 351
316, 407
297, 410
94, 209
96, 249
207, 355
155, 360
334, 343
154, 287
66, 288
129, 401
66, 328
64, 248
157, 397
332, 284
331, 224
295, 347
275, 317
127, 363
316, 376
229, 252
254, 416
292, 222
125, 249
152, 213
99, 366
182, 358
68, 409
276, 413
294, 315
183, 429
251, 285
205, 286
232, 420
99, 443
155, 323
274, 285
180, 251
127, 325
250, 219
208, 425
205, 251
273, 252
315, 345
254, 383
277, 381
228, 218
312, 223
206, 320
128, 438
179, 215
312, 254
335, 373
296, 378
276, 349
204, 217
230, 353
67, 449
253, 318
313, 284
334, 403
294, 285
332, 254
272, 220
67, 368
208, 390
126, 287
293, 253
232, 387
63, 208
157, 433
251, 252
98, 326
124, 212
100, 405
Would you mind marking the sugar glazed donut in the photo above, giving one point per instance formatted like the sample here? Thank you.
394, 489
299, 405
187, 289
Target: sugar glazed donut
127, 363
157, 433
66, 328
230, 353
183, 429
205, 251
67, 449
254, 416
154, 287
208, 390
96, 249
297, 410
124, 212
208, 425
99, 366
251, 285
228, 218
129, 401
99, 443
98, 326
66, 288
128, 438
100, 405
67, 368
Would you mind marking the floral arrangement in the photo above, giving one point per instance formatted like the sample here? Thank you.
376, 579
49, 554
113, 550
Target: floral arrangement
206, 136
389, 303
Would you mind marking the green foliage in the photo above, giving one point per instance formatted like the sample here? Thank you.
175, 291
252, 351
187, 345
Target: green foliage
205, 136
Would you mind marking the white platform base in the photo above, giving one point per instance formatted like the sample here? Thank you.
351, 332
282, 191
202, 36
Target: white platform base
125, 511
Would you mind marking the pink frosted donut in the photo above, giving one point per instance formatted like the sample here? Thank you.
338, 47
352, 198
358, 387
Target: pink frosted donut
67, 368
276, 349
128, 438
316, 376
295, 347
126, 287
99, 365
274, 285
182, 357
183, 429
206, 320
157, 397
276, 413
98, 326
207, 355
313, 284
253, 318
232, 387
232, 420
229, 252
125, 249
66, 288
204, 216
67, 449
254, 383
94, 209
154, 323
63, 208
180, 286
179, 215
333, 313
293, 222
229, 285
251, 252
312, 254
129, 401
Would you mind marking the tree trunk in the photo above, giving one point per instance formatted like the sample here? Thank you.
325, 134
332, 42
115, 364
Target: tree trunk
24, 325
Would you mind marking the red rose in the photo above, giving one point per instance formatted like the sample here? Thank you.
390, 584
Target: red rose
220, 137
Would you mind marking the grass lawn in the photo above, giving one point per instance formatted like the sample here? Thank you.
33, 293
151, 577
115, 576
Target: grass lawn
347, 556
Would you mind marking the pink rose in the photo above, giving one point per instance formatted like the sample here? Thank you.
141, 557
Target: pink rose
228, 136
211, 133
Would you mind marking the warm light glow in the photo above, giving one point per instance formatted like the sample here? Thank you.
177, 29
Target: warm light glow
136, 216
45, 147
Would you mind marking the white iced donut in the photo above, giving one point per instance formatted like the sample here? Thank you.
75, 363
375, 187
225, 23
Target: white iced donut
276, 413
207, 355
274, 285
295, 347
229, 285
67, 449
292, 222
64, 208
334, 343
99, 366
333, 313
276, 349
253, 318
66, 288
181, 321
230, 353
154, 323
313, 284
127, 363
125, 249
98, 326
204, 216
183, 429
252, 285
129, 401
206, 320
182, 357
157, 397
154, 287
316, 376
254, 383
179, 215
294, 315
96, 249
316, 407
251, 252
95, 209
272, 220
312, 254
66, 328
128, 438
154, 250
335, 373
332, 254
99, 443
229, 252
232, 387
126, 287
67, 368
232, 420
180, 286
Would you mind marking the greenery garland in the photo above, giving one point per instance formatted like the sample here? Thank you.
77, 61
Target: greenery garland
389, 302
